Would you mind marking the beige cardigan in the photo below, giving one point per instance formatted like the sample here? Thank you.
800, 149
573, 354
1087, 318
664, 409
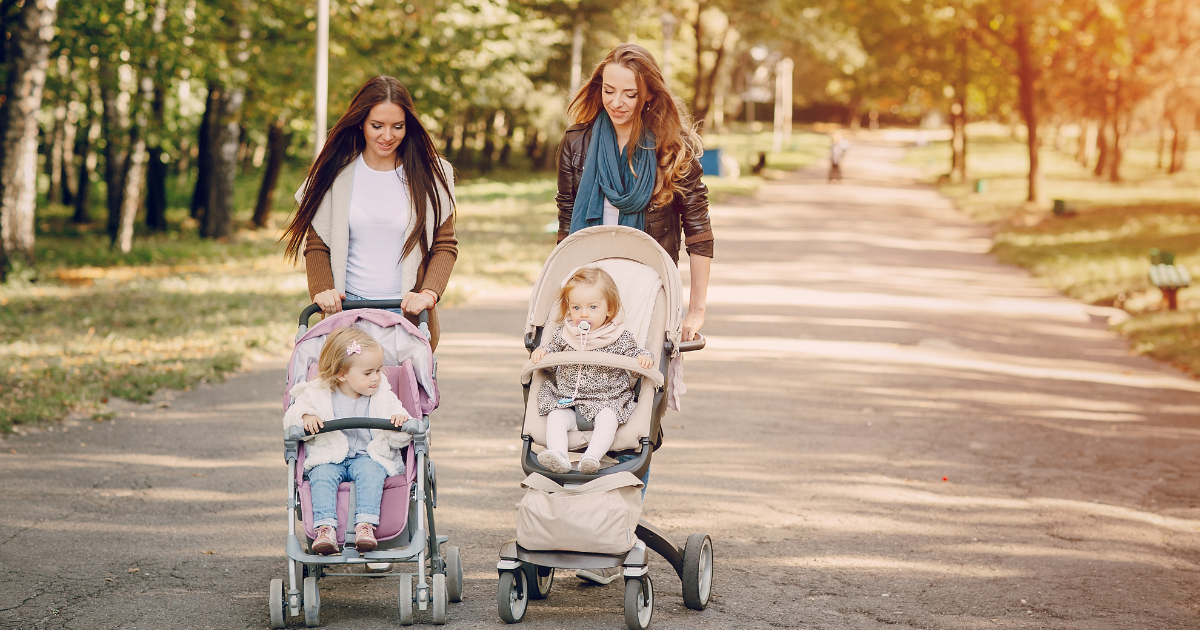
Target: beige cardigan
328, 242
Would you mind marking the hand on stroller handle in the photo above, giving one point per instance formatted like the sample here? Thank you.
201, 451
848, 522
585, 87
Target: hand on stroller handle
313, 309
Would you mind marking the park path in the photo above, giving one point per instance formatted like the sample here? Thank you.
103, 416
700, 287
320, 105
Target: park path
887, 427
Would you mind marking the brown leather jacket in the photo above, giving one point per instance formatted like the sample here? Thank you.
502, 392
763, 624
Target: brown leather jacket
687, 212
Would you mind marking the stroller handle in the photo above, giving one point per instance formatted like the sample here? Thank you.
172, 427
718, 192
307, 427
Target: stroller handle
356, 423
313, 309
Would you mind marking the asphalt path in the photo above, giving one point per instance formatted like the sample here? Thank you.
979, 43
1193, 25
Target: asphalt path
887, 428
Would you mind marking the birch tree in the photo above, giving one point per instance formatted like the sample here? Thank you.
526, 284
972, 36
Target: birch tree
27, 59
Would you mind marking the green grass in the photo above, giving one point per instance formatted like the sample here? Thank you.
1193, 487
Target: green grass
1100, 254
88, 323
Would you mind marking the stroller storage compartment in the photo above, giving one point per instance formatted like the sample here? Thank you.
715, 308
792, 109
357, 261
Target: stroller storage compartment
599, 516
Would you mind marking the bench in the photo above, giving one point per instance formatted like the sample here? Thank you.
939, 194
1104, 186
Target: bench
1168, 276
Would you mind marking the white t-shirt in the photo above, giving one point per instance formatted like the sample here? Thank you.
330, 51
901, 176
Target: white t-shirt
611, 213
379, 208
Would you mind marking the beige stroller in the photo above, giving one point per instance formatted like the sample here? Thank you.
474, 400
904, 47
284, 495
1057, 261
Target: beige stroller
651, 296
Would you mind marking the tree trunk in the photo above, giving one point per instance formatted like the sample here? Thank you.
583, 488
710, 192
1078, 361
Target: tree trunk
489, 143
113, 127
506, 150
1027, 75
89, 130
277, 143
1081, 143
26, 61
1102, 151
54, 162
204, 161
218, 216
156, 169
1179, 145
1162, 146
67, 171
135, 169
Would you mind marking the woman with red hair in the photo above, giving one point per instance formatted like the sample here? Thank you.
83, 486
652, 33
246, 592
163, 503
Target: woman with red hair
631, 157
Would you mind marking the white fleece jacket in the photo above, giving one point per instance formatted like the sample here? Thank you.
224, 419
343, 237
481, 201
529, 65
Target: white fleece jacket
332, 448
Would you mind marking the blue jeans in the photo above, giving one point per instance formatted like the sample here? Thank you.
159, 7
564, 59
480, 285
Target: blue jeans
368, 477
645, 478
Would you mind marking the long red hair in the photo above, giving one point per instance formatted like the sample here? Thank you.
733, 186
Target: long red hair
417, 152
676, 143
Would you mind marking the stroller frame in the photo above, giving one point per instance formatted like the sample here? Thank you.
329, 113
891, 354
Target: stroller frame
528, 574
438, 578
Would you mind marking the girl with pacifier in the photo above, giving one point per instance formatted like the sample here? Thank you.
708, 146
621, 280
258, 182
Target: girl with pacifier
350, 384
590, 311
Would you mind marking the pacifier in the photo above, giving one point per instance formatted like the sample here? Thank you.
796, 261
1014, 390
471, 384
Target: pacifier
585, 326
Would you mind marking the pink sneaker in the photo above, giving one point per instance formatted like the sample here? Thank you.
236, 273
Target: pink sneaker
326, 541
364, 537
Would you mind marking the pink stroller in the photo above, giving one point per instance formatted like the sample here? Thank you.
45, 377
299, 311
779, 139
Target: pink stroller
406, 531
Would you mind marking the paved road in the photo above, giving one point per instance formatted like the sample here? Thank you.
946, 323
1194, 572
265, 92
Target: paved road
888, 427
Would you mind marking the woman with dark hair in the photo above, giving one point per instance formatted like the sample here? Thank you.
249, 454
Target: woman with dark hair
631, 157
375, 219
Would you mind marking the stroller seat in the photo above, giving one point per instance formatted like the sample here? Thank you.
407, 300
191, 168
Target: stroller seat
393, 509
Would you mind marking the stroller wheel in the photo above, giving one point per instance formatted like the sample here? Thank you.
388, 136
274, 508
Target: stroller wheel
639, 602
278, 604
312, 603
512, 596
541, 578
406, 599
439, 599
697, 571
454, 577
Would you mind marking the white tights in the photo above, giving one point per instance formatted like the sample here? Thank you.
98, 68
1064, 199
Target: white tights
562, 420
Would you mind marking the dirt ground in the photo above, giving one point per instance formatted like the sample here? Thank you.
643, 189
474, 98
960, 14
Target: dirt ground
887, 428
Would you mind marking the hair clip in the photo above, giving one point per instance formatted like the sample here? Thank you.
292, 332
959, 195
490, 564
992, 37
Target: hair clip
353, 348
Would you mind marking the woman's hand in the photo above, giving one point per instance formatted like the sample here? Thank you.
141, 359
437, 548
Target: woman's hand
692, 323
330, 301
538, 355
414, 303
312, 424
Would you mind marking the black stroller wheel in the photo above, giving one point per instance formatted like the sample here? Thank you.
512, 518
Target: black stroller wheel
278, 604
512, 596
697, 571
541, 579
639, 602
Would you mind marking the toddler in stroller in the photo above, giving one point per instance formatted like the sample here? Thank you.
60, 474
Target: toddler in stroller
350, 371
388, 362
589, 307
590, 518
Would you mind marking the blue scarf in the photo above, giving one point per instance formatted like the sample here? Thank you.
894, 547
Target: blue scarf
606, 174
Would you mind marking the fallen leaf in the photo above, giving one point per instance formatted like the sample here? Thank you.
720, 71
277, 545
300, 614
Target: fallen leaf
13, 451
210, 553
132, 570
197, 474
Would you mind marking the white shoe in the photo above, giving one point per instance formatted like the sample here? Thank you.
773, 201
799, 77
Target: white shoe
599, 576
589, 465
555, 461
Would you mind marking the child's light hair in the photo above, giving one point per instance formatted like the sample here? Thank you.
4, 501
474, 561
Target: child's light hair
334, 361
590, 277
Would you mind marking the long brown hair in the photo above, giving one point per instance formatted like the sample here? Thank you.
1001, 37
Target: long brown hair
417, 152
659, 110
